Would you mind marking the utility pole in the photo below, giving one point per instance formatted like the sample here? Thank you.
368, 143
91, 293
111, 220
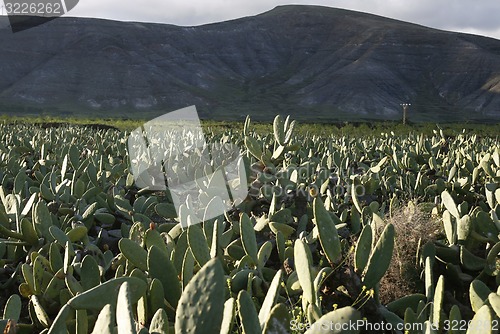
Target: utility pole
405, 110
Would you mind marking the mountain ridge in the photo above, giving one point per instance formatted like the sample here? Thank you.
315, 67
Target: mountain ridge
313, 62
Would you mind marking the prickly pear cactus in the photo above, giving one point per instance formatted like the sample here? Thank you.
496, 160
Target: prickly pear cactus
201, 306
332, 217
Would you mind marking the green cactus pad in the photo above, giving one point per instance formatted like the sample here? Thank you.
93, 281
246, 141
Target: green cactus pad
455, 317
160, 267
55, 258
363, 248
42, 220
159, 323
278, 320
82, 321
187, 268
105, 323
228, 318
59, 324
156, 295
198, 244
270, 299
180, 250
303, 262
279, 130
381, 257
239, 280
124, 318
40, 313
482, 322
464, 226
390, 317
449, 227
340, 317
89, 273
328, 235
58, 235
248, 314
411, 301
96, 298
470, 261
12, 308
429, 279
166, 210
253, 147
248, 238
450, 205
437, 311
264, 254
105, 218
201, 306
28, 232
478, 294
153, 238
56, 284
285, 229
134, 253
494, 301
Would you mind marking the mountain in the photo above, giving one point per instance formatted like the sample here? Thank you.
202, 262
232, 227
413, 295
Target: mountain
314, 63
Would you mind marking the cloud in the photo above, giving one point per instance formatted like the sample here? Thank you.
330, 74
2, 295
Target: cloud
173, 11
480, 17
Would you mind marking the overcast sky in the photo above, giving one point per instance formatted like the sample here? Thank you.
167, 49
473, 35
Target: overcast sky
474, 16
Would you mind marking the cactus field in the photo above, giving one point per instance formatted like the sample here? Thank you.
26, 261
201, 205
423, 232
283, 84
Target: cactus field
317, 246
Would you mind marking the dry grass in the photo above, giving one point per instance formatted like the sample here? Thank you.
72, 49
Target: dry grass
412, 224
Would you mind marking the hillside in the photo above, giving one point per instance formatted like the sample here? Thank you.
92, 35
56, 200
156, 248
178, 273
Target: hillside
315, 63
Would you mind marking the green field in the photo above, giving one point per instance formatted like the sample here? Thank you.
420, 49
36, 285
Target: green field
384, 222
357, 129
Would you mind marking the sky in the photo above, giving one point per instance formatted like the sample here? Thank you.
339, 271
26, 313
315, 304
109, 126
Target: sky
472, 16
